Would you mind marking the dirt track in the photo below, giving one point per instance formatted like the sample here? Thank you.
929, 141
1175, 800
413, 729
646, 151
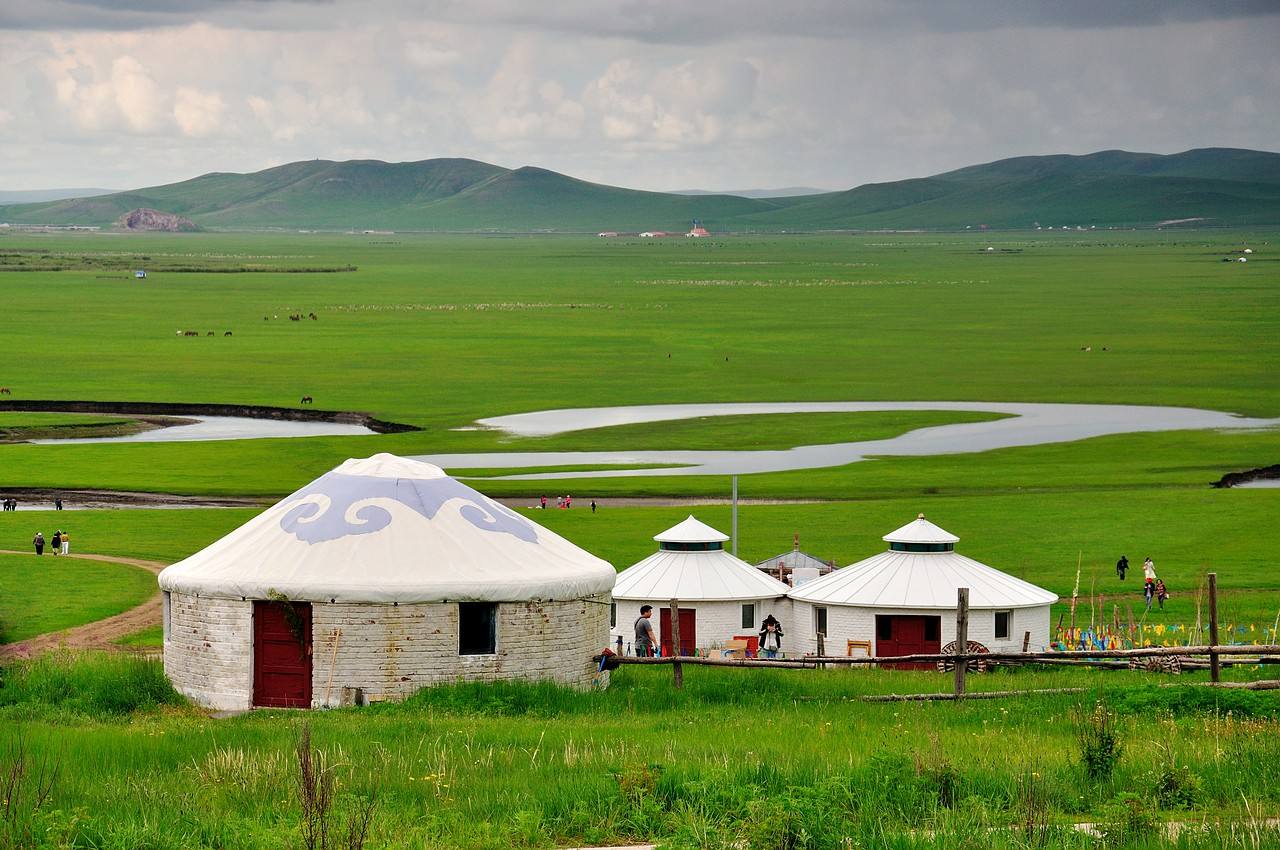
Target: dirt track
100, 634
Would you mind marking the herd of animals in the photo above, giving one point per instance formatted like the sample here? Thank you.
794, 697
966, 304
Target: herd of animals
295, 317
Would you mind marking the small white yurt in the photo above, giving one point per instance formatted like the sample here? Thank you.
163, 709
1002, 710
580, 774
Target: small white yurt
383, 575
903, 601
720, 596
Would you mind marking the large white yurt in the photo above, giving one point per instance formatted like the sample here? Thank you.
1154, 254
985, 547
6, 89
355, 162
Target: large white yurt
720, 596
383, 575
903, 601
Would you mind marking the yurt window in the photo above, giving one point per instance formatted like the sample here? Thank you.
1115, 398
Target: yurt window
1003, 619
819, 621
164, 615
749, 616
932, 625
477, 628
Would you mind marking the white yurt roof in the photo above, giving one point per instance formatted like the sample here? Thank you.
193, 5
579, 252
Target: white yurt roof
694, 576
920, 530
691, 530
389, 529
896, 579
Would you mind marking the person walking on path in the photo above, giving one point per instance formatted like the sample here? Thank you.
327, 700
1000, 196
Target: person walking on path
57, 542
66, 543
1162, 592
1122, 567
38, 541
1148, 592
593, 506
57, 503
770, 637
644, 632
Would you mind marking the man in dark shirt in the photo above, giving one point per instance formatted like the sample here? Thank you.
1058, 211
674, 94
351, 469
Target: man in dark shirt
644, 632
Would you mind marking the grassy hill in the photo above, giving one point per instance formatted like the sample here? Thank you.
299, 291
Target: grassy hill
1220, 185
1217, 185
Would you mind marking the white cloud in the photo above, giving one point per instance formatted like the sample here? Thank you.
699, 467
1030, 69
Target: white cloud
198, 113
654, 96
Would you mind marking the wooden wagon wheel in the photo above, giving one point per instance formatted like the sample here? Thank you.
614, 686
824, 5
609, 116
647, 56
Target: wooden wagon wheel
974, 665
1158, 664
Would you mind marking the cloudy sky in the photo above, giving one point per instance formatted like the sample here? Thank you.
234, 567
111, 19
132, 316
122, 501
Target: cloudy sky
652, 94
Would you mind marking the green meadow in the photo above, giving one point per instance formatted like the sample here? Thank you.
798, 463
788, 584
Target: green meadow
794, 760
439, 331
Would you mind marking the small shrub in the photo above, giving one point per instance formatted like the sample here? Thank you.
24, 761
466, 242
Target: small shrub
1100, 744
937, 775
1176, 786
1127, 820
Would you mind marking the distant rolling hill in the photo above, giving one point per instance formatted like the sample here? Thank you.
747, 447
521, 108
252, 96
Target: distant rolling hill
1219, 185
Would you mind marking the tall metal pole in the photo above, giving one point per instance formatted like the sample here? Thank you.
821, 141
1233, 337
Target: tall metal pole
735, 516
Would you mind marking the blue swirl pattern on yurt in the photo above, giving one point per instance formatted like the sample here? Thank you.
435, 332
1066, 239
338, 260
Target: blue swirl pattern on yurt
424, 495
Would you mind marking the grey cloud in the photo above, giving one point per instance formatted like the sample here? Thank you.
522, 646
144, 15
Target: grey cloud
645, 21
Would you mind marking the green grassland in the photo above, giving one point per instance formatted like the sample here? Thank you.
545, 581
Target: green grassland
794, 760
48, 593
441, 331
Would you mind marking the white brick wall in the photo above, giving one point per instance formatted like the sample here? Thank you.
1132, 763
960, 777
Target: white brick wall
846, 622
717, 622
208, 655
392, 651
389, 651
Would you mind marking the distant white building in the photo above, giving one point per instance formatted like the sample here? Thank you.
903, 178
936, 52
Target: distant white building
903, 601
720, 596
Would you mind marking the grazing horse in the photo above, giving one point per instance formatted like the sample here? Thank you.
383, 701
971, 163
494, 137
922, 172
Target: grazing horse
228, 333
313, 317
306, 399
5, 391
191, 333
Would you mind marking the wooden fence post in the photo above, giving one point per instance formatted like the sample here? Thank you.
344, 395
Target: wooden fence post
1215, 668
676, 667
1026, 641
822, 648
962, 638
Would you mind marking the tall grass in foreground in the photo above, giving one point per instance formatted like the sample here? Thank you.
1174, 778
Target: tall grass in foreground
780, 760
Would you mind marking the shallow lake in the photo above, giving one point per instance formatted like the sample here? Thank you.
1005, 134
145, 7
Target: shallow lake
1028, 425
227, 428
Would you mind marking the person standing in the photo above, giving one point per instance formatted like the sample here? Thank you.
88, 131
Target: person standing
1149, 569
544, 502
66, 543
644, 632
593, 506
57, 542
770, 637
57, 503
1122, 567
38, 541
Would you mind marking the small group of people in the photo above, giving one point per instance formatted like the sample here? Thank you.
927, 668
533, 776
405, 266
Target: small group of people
10, 504
1153, 587
59, 544
646, 644
563, 503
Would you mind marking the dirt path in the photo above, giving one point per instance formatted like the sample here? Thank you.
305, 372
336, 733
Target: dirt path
99, 634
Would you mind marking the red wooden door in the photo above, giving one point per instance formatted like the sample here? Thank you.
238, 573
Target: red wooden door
908, 635
688, 630
281, 665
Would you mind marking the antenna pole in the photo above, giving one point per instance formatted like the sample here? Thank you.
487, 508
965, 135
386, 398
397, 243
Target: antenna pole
735, 516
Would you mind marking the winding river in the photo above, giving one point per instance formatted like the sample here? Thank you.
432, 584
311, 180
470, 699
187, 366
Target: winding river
1027, 425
